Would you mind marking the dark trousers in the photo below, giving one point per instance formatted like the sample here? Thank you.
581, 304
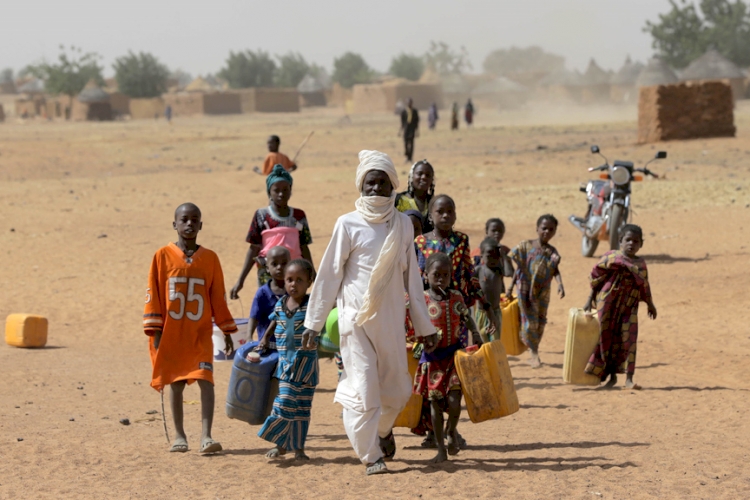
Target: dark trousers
409, 146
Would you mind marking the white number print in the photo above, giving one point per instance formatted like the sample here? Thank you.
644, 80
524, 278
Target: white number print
192, 296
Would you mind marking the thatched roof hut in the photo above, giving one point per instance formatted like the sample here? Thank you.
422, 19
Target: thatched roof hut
561, 85
33, 86
199, 85
623, 88
311, 91
656, 72
713, 66
92, 104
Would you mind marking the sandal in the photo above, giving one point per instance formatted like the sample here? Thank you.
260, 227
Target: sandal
388, 446
179, 447
210, 446
378, 467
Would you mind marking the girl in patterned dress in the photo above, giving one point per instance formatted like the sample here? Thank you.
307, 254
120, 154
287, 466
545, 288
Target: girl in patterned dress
442, 238
537, 262
436, 379
619, 281
297, 369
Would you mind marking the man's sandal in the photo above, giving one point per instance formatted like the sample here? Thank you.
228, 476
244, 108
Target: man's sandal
378, 467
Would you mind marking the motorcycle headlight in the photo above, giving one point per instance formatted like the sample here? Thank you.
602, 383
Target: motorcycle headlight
620, 175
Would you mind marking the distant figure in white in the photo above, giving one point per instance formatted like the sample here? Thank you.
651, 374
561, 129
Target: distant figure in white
369, 263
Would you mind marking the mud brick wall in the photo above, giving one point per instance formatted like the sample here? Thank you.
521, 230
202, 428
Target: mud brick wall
685, 111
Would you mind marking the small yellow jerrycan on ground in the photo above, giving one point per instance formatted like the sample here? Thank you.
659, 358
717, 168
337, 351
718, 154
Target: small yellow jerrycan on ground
511, 328
26, 330
580, 341
486, 381
409, 416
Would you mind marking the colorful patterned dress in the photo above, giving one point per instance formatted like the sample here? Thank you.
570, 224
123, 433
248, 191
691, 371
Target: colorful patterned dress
535, 268
297, 372
437, 374
266, 219
623, 283
456, 246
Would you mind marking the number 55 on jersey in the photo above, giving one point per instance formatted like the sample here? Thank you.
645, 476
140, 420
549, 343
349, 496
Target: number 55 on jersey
183, 296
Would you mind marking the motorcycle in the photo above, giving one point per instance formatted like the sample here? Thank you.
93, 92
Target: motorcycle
609, 202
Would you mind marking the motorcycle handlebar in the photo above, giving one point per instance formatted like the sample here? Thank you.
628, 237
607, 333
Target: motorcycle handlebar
600, 167
647, 172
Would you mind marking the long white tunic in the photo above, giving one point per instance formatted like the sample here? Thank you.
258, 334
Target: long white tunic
378, 376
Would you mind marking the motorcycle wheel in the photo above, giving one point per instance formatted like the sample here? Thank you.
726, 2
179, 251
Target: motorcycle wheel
588, 246
615, 221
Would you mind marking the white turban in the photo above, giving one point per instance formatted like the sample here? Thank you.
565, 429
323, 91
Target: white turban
379, 210
375, 160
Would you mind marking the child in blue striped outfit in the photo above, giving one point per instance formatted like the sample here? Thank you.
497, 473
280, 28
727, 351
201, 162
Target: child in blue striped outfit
297, 370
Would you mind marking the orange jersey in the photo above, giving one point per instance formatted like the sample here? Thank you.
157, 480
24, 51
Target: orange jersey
276, 159
183, 295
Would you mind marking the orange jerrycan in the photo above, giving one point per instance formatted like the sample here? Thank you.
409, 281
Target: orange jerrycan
511, 328
580, 342
409, 416
486, 381
26, 330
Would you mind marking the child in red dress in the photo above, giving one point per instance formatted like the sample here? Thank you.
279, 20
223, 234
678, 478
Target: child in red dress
436, 379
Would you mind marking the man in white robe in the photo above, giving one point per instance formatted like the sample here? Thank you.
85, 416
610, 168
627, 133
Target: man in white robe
369, 263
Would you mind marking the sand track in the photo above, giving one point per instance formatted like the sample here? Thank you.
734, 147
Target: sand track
65, 186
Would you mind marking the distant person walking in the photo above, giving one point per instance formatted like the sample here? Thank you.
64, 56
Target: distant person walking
432, 116
469, 113
454, 117
168, 113
409, 128
274, 157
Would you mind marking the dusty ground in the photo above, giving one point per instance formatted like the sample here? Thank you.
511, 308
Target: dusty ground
65, 186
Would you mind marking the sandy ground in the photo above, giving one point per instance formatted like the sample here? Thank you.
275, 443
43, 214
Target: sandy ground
84, 207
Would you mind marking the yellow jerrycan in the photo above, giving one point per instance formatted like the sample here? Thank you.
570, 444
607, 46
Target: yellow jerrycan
26, 330
409, 416
580, 341
511, 328
486, 381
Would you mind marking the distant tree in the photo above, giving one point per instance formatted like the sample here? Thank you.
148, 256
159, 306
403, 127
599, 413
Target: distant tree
446, 61
183, 77
140, 75
686, 32
506, 61
407, 66
71, 72
292, 69
350, 69
6, 75
248, 69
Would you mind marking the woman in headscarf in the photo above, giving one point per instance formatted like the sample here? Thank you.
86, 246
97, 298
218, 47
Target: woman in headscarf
420, 189
278, 224
368, 264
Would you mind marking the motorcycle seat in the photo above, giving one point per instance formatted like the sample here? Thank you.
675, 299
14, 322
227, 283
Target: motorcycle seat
620, 163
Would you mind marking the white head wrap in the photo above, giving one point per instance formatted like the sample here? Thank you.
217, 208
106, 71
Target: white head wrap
379, 210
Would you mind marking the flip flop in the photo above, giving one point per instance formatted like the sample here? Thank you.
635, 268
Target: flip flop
388, 446
210, 446
179, 448
378, 467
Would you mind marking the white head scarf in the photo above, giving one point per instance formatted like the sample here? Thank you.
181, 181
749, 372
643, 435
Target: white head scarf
379, 210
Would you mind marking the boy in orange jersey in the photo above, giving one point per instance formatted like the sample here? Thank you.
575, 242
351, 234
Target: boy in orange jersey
274, 157
185, 290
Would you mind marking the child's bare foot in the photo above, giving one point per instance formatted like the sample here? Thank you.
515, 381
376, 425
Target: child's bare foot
611, 382
180, 445
441, 457
276, 452
629, 384
300, 455
534, 360
454, 444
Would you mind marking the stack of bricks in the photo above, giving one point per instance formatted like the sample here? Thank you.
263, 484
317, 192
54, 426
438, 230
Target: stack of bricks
685, 111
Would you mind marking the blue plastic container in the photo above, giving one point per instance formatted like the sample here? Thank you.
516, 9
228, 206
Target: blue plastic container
250, 392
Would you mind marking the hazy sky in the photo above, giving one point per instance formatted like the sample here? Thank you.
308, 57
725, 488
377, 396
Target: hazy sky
197, 36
